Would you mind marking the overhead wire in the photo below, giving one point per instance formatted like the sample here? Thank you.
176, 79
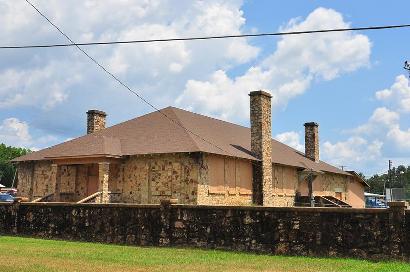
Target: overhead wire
124, 84
77, 45
208, 37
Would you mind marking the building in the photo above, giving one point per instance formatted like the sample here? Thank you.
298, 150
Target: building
191, 158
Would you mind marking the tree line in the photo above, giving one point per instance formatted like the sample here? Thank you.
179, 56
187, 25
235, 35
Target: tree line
8, 169
399, 177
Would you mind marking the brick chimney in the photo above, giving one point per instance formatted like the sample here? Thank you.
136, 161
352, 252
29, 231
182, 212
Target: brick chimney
261, 147
312, 141
95, 121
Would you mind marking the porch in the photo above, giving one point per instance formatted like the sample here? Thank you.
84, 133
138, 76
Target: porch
85, 180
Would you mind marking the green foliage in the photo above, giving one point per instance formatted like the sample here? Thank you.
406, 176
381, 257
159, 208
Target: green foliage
7, 169
400, 178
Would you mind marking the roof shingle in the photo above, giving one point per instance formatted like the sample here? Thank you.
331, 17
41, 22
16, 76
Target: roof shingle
154, 134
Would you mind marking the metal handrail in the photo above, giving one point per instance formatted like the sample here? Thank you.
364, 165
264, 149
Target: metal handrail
40, 199
90, 197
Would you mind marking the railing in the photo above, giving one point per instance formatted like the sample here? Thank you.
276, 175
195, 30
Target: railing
90, 198
339, 202
329, 201
43, 198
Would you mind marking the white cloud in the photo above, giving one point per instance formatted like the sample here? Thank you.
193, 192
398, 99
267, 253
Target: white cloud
323, 55
354, 152
292, 139
398, 95
384, 117
14, 132
64, 80
384, 123
287, 73
48, 85
381, 137
61, 82
381, 119
43, 87
401, 138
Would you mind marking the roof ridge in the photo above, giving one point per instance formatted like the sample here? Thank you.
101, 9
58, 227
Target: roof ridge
184, 127
208, 117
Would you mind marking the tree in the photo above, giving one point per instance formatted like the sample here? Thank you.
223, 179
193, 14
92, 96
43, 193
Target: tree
400, 178
376, 183
7, 169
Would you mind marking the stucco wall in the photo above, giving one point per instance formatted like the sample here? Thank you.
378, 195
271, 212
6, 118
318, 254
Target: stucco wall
285, 184
224, 181
355, 196
328, 184
204, 179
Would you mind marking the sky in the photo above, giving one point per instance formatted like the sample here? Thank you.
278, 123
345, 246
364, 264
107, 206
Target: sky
352, 83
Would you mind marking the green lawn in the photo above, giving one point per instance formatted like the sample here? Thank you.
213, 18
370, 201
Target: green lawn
27, 254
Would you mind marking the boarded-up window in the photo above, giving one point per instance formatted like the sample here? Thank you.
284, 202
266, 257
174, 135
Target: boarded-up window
277, 174
161, 178
216, 171
289, 180
68, 177
244, 176
230, 177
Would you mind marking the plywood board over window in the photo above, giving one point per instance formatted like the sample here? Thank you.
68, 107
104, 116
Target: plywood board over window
277, 176
230, 175
244, 176
161, 178
216, 172
68, 177
289, 180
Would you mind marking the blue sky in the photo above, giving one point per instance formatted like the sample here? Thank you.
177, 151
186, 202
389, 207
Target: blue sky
352, 84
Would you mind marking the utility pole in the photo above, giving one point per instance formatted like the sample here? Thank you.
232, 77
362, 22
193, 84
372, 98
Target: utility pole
389, 179
342, 167
387, 183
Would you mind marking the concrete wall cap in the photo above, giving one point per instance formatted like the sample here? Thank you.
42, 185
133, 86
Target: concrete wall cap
397, 204
311, 124
99, 112
260, 92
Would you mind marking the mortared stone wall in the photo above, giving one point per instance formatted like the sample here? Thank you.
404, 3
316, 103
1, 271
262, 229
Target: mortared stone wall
335, 232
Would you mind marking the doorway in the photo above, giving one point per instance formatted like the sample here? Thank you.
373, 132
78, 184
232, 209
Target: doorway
92, 182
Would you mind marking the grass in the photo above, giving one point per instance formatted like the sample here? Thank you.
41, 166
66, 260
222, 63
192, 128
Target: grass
27, 254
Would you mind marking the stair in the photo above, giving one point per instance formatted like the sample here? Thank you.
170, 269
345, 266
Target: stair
330, 201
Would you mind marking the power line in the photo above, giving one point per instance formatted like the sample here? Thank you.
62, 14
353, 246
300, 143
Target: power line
122, 83
209, 37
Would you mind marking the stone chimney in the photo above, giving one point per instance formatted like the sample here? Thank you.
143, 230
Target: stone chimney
312, 141
95, 121
261, 147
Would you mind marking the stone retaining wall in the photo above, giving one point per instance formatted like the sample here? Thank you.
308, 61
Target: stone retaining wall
360, 233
